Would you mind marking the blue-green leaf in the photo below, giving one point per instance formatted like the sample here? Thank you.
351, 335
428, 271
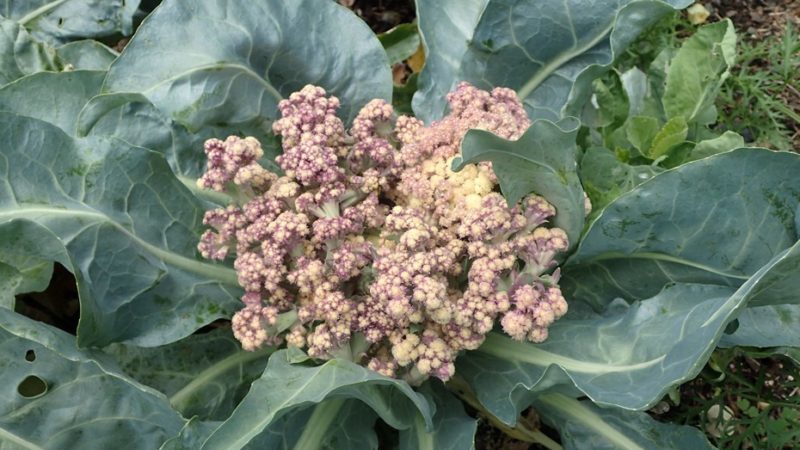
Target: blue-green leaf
191, 435
446, 28
134, 119
86, 55
717, 220
55, 97
59, 21
335, 424
543, 161
10, 281
285, 387
628, 357
549, 52
129, 226
20, 54
773, 316
766, 326
582, 425
31, 250
453, 429
73, 399
69, 100
234, 63
204, 375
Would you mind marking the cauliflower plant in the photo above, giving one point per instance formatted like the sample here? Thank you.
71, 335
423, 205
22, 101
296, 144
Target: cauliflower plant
385, 254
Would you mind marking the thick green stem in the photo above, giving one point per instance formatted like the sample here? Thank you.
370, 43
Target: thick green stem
317, 426
218, 198
180, 399
520, 432
425, 440
583, 415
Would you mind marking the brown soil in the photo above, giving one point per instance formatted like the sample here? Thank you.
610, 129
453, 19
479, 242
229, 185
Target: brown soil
757, 19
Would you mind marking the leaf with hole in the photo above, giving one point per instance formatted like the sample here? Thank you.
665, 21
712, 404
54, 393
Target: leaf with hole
45, 373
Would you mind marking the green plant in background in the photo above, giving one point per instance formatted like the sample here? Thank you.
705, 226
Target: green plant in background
99, 167
744, 401
639, 123
755, 93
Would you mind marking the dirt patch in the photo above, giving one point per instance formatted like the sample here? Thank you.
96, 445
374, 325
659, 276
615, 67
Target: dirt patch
756, 19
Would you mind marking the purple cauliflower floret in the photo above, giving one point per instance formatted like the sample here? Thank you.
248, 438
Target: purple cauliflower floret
373, 246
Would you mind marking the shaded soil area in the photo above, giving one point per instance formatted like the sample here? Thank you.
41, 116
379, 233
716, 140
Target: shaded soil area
382, 15
756, 19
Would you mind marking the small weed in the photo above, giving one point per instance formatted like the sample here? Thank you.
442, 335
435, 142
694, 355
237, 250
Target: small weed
743, 400
667, 33
761, 99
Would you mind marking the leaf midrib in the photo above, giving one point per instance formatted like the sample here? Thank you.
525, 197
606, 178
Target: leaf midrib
212, 372
496, 345
656, 256
215, 272
590, 419
44, 9
11, 437
560, 60
504, 153
204, 68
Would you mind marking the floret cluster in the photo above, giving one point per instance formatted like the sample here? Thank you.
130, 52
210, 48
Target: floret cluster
384, 253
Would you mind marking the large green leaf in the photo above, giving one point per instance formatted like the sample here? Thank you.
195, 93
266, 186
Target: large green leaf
129, 226
453, 429
86, 55
333, 424
543, 161
766, 326
583, 425
773, 316
630, 356
739, 231
698, 70
622, 358
55, 396
10, 280
55, 97
549, 52
59, 21
31, 250
203, 375
285, 387
717, 220
69, 100
20, 54
446, 28
191, 435
134, 119
215, 63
